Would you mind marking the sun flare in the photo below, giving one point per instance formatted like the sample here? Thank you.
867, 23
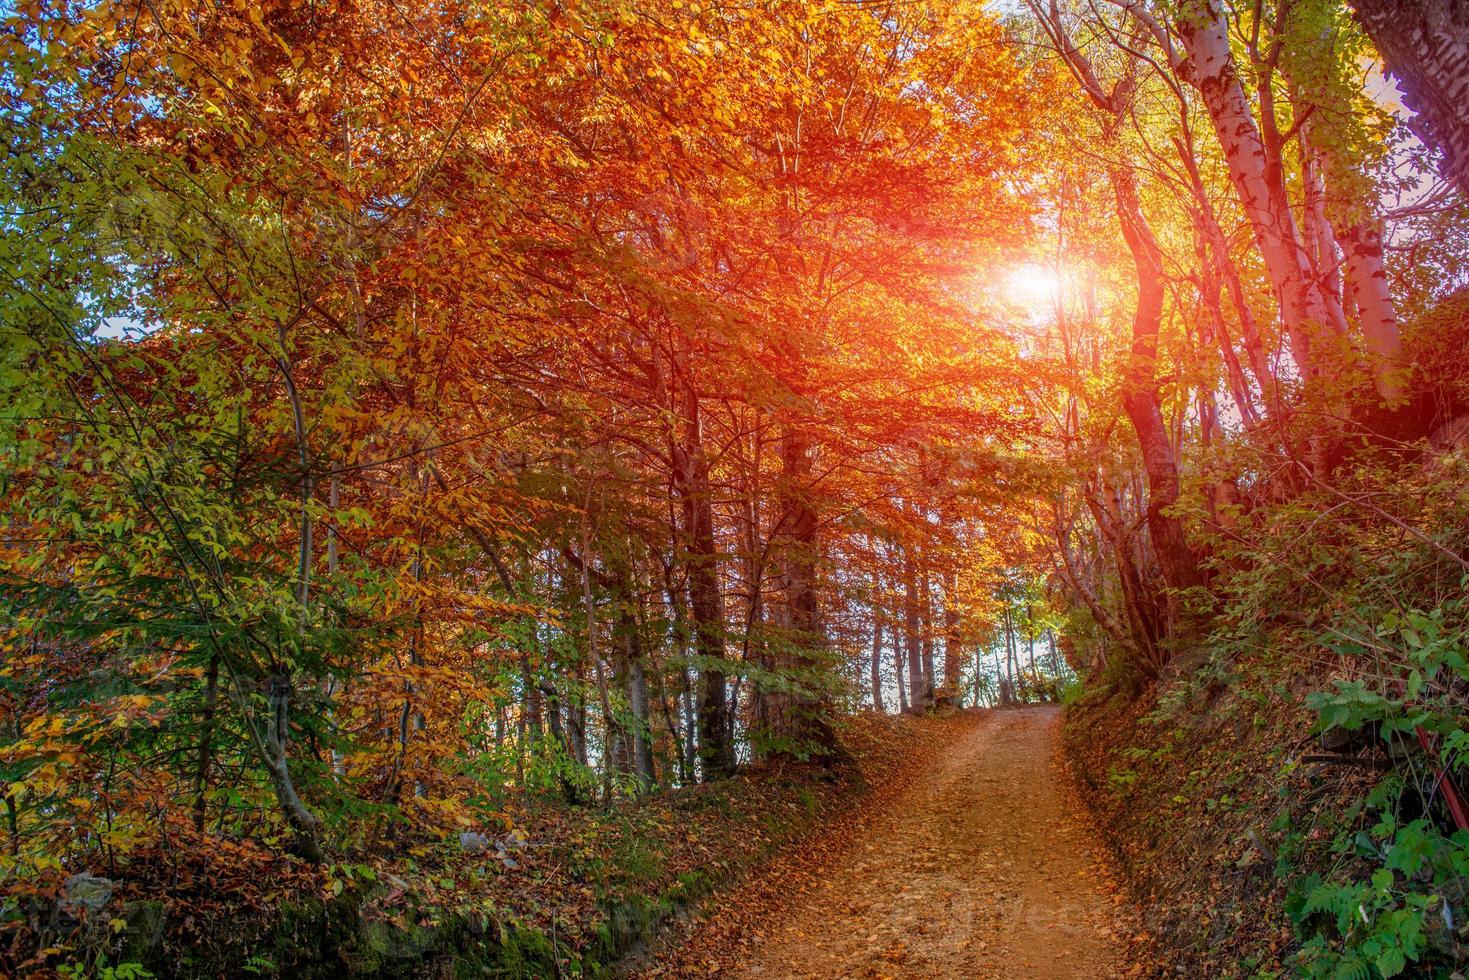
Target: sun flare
1033, 285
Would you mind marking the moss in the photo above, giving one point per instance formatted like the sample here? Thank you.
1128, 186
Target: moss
144, 934
314, 937
519, 953
630, 921
692, 886
638, 860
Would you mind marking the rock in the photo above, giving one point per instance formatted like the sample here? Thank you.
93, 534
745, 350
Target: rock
504, 847
1450, 438
471, 842
87, 891
1452, 435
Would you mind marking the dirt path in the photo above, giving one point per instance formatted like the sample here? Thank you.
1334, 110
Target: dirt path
985, 868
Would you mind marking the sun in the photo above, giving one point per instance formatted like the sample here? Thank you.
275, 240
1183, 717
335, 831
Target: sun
1033, 285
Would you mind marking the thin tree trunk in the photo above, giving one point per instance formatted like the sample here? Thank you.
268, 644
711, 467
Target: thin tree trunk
1009, 657
12, 819
304, 824
1175, 556
594, 654
925, 600
637, 699
1256, 172
978, 672
676, 606
577, 717
530, 691
949, 693
206, 742
671, 722
876, 663
691, 473
919, 699
899, 670
1215, 269
1319, 241
1002, 686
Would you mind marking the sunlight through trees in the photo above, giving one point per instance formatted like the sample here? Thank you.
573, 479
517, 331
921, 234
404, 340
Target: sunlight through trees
417, 416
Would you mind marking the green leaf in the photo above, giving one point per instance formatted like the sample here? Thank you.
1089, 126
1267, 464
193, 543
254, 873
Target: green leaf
1391, 962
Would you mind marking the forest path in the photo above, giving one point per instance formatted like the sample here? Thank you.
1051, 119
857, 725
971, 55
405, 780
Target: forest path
985, 867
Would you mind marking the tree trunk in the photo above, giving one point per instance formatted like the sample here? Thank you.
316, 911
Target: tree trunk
637, 699
691, 475
304, 824
531, 692
1342, 208
206, 741
569, 791
978, 672
925, 601
576, 717
876, 664
1367, 277
1216, 263
1175, 557
949, 695
791, 712
1319, 241
1425, 46
686, 685
899, 670
919, 697
1137, 600
636, 749
1003, 694
672, 725
1011, 661
1256, 173
619, 733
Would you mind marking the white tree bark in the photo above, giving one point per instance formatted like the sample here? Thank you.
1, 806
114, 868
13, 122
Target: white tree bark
1367, 278
1322, 244
1426, 47
1209, 67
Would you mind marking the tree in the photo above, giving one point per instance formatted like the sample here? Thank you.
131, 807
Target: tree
1426, 48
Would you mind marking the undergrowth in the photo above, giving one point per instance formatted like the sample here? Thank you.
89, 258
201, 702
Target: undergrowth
1284, 805
578, 890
